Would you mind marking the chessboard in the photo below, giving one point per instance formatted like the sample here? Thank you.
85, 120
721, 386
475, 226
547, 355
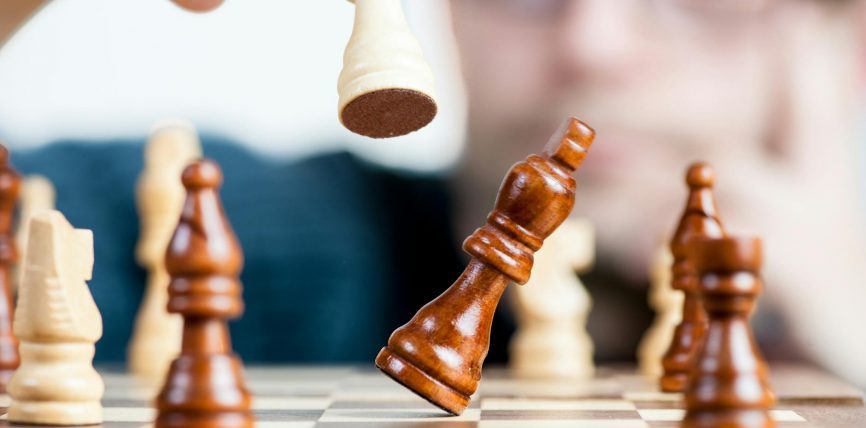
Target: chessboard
302, 397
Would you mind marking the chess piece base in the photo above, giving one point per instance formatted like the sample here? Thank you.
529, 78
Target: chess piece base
55, 413
675, 382
205, 420
388, 113
421, 383
724, 418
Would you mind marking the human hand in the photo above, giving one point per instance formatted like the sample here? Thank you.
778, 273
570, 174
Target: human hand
199, 5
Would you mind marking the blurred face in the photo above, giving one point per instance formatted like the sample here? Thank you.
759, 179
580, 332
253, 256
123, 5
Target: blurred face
663, 82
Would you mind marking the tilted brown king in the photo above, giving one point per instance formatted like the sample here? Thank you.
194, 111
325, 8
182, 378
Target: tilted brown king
439, 353
700, 220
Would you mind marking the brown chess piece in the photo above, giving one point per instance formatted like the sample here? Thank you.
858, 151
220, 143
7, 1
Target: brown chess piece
10, 184
728, 385
700, 219
204, 386
439, 353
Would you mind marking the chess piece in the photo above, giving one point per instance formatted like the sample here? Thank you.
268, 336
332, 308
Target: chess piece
10, 184
204, 385
668, 306
37, 194
58, 323
439, 353
551, 341
728, 385
156, 339
386, 87
700, 219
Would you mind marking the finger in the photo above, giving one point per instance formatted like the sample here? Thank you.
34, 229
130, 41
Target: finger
199, 5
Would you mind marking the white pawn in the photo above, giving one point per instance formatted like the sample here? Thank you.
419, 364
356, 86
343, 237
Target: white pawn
668, 306
552, 308
37, 194
156, 339
57, 324
386, 88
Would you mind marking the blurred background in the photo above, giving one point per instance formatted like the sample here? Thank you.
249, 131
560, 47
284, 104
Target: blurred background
346, 237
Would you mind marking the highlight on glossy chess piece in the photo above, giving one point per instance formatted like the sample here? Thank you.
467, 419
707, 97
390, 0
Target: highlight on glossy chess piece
205, 385
157, 334
37, 195
728, 385
58, 323
439, 353
10, 185
551, 341
668, 306
700, 220
386, 88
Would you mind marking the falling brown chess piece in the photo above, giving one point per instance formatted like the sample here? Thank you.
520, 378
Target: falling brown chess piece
700, 219
10, 185
204, 386
439, 353
728, 385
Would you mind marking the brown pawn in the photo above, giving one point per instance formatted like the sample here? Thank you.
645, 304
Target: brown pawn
728, 386
10, 184
205, 385
700, 220
439, 353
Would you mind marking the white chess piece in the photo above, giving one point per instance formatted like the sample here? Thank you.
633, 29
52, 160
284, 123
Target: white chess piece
156, 339
552, 308
668, 305
57, 324
37, 194
383, 55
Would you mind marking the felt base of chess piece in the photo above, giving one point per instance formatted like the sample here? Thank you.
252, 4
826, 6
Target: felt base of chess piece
388, 113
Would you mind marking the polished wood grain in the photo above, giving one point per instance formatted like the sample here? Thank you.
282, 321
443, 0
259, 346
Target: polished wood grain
700, 219
728, 386
439, 353
205, 386
10, 186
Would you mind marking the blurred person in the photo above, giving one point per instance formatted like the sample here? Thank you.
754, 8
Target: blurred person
766, 91
343, 251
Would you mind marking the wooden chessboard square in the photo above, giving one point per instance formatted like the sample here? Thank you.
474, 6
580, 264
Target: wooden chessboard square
291, 403
675, 415
418, 414
497, 404
565, 423
594, 388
